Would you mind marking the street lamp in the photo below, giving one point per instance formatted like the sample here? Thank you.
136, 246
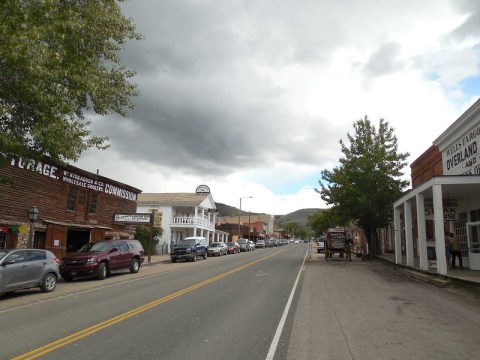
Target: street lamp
32, 213
239, 213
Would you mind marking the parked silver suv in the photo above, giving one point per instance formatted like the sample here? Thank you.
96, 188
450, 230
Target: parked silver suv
28, 268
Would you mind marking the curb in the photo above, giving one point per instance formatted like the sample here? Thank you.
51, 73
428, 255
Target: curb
418, 274
431, 279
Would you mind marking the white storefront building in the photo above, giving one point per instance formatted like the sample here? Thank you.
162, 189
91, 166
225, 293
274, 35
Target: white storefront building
183, 214
451, 200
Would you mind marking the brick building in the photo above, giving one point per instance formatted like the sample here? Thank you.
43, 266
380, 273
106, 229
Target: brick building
75, 206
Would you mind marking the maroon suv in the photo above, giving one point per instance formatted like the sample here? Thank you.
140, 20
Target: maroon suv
99, 258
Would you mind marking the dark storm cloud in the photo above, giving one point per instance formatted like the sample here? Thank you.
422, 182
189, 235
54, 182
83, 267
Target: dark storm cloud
206, 104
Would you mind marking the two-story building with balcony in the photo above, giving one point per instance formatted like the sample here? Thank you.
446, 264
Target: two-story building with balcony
183, 214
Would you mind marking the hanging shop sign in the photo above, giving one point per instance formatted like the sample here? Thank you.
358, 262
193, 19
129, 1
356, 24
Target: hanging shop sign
140, 218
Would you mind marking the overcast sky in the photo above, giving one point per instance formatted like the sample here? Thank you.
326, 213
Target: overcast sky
252, 97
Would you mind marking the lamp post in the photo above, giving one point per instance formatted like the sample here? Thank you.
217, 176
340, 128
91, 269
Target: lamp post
239, 213
32, 213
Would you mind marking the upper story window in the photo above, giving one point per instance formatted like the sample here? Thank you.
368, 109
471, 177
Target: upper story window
72, 197
93, 203
81, 198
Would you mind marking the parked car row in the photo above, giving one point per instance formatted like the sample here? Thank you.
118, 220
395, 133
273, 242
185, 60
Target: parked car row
29, 268
276, 242
22, 269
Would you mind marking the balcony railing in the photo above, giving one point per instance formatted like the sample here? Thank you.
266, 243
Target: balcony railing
192, 221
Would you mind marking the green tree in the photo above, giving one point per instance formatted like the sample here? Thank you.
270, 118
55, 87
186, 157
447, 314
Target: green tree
324, 220
59, 61
290, 229
368, 180
143, 233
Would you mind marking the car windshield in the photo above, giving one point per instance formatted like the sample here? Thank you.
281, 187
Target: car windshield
94, 247
242, 241
186, 243
230, 244
214, 244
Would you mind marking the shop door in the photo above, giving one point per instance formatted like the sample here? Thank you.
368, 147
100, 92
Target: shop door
473, 239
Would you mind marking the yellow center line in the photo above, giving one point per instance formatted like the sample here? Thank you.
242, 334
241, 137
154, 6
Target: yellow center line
107, 323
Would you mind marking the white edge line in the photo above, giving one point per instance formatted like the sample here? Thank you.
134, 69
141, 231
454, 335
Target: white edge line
281, 324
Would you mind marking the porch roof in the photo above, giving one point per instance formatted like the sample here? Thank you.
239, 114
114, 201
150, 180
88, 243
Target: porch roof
453, 187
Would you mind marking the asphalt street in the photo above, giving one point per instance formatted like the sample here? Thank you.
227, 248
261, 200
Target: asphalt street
279, 303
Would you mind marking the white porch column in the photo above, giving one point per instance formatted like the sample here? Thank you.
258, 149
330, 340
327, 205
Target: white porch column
397, 229
407, 208
439, 230
422, 232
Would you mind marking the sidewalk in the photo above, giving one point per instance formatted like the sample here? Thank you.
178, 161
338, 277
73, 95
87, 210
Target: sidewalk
463, 275
156, 259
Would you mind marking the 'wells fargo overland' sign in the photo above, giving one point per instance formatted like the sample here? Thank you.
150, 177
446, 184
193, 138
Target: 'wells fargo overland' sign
462, 157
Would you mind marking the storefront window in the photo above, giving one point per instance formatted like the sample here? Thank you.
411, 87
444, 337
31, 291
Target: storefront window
460, 229
475, 232
3, 240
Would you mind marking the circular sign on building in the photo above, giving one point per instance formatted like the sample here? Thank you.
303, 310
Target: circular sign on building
202, 189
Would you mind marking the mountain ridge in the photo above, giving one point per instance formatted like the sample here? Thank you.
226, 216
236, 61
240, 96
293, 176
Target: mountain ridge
300, 216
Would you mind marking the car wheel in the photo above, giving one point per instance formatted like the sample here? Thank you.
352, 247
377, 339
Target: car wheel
135, 266
49, 283
205, 256
194, 258
102, 271
67, 278
174, 260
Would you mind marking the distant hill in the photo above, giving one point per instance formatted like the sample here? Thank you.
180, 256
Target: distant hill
300, 217
227, 210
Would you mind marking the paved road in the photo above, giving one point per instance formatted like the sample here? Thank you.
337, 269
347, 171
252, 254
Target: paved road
233, 307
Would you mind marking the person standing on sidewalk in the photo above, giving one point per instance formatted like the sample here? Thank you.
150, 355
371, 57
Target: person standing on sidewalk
348, 248
448, 245
455, 250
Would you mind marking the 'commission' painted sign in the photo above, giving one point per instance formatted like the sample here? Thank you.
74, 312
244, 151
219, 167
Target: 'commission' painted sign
86, 182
